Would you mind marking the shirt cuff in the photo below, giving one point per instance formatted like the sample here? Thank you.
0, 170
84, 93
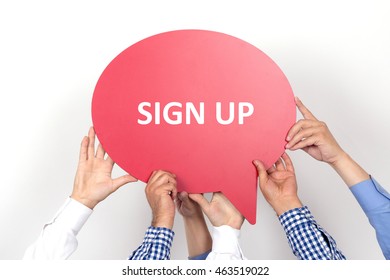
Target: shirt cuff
225, 244
72, 215
294, 217
155, 246
159, 235
370, 194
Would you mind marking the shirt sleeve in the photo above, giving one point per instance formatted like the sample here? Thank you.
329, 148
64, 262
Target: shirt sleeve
200, 257
156, 245
225, 244
375, 202
306, 238
57, 240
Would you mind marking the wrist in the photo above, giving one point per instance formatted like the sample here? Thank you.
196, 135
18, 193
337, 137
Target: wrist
85, 201
287, 204
165, 222
196, 216
341, 159
349, 170
236, 223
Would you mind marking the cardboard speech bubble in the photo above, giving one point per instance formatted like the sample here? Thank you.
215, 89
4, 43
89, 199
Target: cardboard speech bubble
200, 104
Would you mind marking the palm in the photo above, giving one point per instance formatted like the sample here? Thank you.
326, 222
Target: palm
93, 182
96, 172
281, 183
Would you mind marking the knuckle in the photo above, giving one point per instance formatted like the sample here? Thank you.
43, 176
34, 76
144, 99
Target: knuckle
322, 124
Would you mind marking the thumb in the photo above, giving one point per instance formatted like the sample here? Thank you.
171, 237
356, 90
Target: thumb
261, 171
199, 198
183, 196
120, 181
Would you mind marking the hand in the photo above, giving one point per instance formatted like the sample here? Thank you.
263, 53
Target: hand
219, 210
161, 192
187, 207
278, 184
314, 137
93, 182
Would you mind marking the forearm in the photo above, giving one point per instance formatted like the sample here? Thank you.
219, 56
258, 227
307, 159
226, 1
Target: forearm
197, 235
349, 170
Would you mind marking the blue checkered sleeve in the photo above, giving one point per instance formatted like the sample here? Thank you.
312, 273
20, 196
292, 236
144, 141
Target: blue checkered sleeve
306, 238
155, 246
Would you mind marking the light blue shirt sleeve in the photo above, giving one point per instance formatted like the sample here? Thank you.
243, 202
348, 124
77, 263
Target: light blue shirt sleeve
375, 202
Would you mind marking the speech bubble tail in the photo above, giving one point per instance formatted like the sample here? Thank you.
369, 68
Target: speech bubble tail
242, 193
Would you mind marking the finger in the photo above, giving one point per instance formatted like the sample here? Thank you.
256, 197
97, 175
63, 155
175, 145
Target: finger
300, 125
183, 196
83, 149
279, 165
288, 162
305, 133
261, 171
178, 203
304, 111
165, 178
201, 200
109, 160
155, 175
119, 182
100, 152
305, 143
174, 193
161, 189
272, 169
151, 177
91, 144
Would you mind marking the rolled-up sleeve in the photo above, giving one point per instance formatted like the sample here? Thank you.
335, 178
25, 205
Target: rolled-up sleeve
306, 238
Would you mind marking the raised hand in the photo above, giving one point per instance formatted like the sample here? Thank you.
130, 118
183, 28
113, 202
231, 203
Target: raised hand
93, 182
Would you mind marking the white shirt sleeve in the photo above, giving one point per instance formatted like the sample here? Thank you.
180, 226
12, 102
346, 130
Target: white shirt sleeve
57, 240
225, 244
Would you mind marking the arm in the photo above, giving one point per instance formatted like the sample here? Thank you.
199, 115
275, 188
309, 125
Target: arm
227, 222
315, 138
197, 234
306, 238
160, 192
93, 183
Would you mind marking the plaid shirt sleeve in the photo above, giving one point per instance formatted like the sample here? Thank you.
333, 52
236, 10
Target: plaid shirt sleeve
155, 246
306, 238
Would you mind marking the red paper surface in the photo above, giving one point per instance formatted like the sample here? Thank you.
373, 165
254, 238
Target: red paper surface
195, 66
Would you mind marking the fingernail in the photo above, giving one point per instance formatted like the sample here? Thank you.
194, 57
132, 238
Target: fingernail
288, 138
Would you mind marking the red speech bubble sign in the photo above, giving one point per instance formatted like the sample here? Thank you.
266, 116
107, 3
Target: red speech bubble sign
200, 104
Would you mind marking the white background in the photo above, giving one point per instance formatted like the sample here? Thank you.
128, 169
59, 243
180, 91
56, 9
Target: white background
336, 55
